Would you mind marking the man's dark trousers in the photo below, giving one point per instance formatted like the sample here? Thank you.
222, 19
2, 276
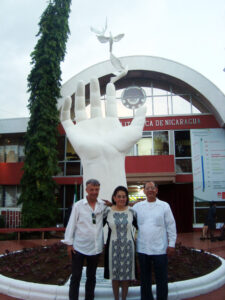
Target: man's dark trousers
77, 266
160, 265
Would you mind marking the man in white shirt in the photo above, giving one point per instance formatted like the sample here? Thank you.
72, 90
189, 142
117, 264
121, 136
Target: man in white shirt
156, 239
84, 239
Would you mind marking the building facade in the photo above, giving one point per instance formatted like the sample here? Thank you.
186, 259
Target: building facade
180, 103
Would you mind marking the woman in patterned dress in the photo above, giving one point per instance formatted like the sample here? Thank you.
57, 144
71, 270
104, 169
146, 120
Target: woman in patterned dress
120, 248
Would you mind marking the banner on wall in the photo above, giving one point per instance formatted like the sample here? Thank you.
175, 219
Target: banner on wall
208, 164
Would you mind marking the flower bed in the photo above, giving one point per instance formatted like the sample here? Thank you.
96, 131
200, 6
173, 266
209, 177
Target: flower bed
51, 265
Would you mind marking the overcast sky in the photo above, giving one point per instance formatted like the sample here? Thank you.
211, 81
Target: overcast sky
190, 32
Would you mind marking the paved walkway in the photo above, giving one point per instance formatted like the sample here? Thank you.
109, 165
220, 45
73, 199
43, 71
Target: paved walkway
218, 248
187, 239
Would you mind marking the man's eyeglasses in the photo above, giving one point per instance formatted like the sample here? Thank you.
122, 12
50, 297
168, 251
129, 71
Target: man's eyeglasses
151, 188
93, 218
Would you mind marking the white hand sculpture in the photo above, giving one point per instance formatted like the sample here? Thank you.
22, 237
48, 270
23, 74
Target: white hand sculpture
101, 143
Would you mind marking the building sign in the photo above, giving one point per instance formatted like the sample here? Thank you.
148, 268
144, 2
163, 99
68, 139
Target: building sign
208, 164
176, 122
172, 122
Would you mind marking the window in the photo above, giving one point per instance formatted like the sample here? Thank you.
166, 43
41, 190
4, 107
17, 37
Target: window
201, 211
73, 168
145, 146
21, 153
11, 148
181, 106
9, 195
161, 143
1, 196
70, 153
183, 166
61, 169
2, 154
182, 151
153, 143
161, 105
182, 143
11, 153
159, 102
61, 148
70, 164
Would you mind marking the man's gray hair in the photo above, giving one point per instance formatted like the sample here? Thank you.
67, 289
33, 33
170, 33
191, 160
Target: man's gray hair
94, 182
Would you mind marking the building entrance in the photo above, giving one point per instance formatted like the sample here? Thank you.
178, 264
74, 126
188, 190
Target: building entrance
179, 197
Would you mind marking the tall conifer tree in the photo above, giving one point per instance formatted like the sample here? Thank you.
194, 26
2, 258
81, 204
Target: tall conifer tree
39, 207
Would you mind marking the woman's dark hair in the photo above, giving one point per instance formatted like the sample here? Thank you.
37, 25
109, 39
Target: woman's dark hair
123, 189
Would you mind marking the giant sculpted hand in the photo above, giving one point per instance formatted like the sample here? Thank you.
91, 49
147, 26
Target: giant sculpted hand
101, 142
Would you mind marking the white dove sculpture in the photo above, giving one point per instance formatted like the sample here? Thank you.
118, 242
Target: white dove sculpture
121, 71
111, 39
100, 34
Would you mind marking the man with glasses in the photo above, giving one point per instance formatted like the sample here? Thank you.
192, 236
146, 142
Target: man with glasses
84, 239
156, 239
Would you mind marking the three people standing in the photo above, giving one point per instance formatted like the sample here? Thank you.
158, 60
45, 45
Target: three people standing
156, 239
